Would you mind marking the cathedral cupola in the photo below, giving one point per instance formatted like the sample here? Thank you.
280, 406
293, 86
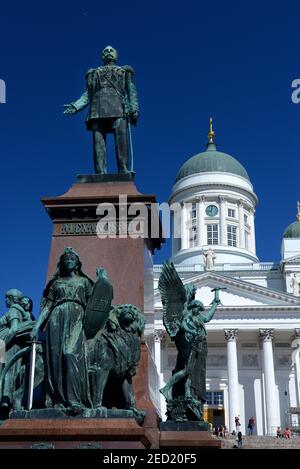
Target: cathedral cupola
217, 205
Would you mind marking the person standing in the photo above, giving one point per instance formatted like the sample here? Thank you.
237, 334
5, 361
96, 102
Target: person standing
237, 423
251, 425
239, 440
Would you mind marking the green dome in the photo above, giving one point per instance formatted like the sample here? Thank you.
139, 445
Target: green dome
293, 230
211, 160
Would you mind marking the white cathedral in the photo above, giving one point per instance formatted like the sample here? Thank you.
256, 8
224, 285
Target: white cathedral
253, 367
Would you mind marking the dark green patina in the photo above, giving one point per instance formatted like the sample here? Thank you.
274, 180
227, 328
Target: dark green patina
113, 106
64, 301
90, 352
15, 328
293, 230
184, 319
211, 161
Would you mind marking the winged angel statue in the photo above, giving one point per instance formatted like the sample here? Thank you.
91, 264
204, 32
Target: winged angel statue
184, 319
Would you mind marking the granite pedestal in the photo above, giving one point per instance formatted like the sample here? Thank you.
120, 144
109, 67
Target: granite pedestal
128, 261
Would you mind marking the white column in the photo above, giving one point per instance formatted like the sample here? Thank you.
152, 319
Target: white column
271, 401
241, 225
223, 229
174, 240
184, 233
252, 231
296, 362
202, 241
176, 217
233, 380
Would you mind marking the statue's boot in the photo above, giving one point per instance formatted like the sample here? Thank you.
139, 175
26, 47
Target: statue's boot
124, 170
123, 164
100, 169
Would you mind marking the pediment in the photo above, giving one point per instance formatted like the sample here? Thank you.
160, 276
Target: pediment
292, 260
238, 293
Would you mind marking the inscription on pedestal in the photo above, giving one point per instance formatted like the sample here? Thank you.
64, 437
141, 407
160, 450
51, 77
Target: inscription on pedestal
68, 229
93, 228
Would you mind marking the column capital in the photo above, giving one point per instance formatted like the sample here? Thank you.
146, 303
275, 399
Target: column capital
266, 335
240, 203
297, 333
222, 198
251, 210
231, 334
182, 204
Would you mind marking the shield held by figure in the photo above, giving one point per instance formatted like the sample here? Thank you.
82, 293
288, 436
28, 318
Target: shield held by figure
99, 305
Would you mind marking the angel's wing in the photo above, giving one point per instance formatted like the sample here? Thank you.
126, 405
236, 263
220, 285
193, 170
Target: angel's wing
173, 297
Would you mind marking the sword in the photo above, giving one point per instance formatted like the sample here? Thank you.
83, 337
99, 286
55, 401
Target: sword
130, 145
33, 344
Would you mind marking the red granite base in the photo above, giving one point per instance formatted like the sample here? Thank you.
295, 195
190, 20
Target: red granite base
76, 434
97, 434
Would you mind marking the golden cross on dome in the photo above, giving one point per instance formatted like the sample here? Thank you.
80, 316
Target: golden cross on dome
211, 133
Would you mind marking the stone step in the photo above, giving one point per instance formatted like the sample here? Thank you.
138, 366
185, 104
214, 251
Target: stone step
263, 442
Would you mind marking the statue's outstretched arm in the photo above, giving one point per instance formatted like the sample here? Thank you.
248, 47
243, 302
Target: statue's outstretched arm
85, 98
79, 104
208, 315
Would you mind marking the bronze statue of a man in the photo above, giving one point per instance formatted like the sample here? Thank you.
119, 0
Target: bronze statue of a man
112, 96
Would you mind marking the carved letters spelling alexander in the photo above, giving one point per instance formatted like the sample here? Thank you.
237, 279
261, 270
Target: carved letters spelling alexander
93, 228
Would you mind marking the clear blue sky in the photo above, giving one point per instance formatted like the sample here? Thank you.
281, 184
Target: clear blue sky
234, 60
